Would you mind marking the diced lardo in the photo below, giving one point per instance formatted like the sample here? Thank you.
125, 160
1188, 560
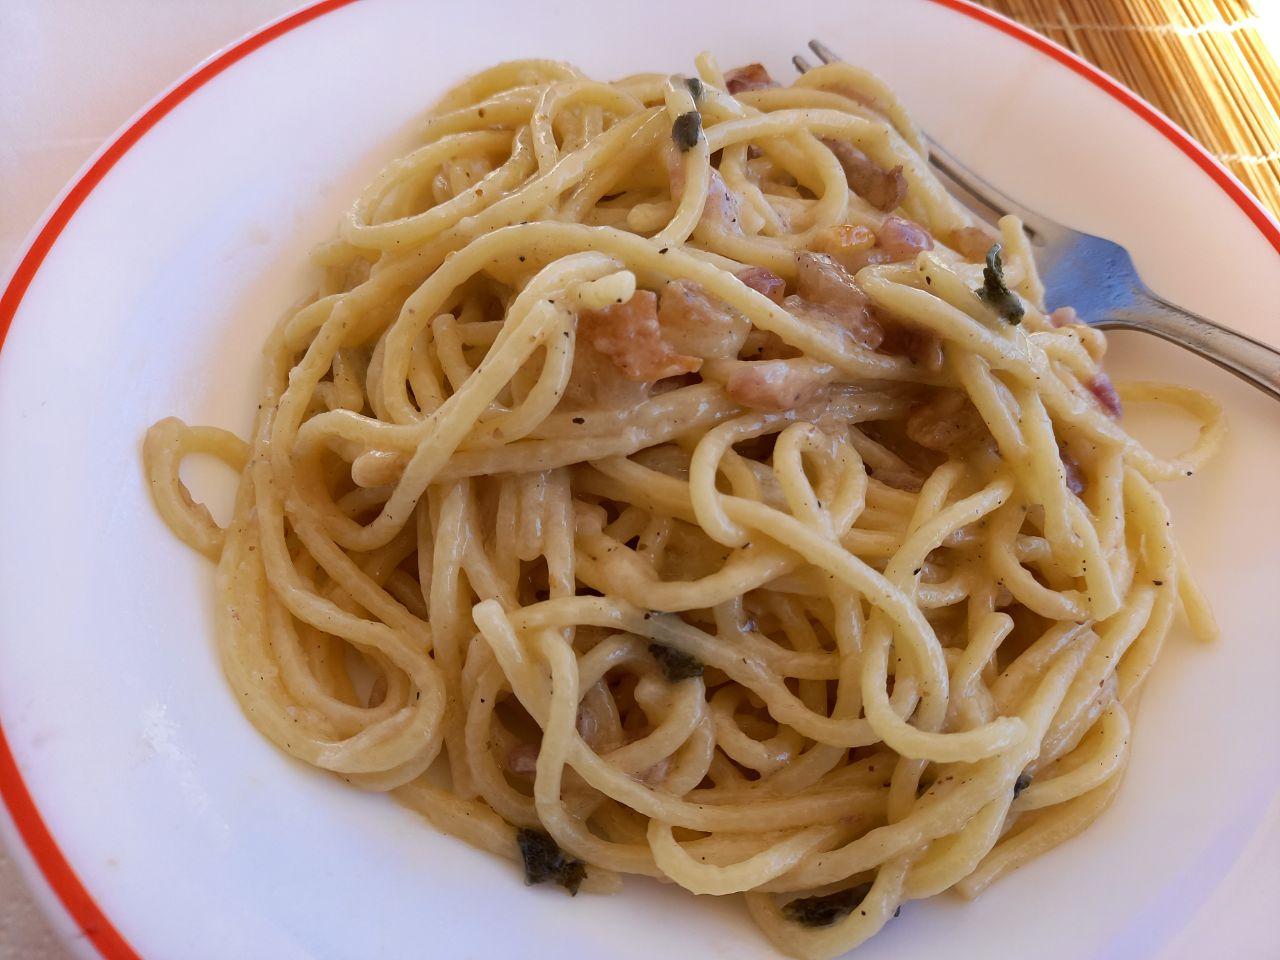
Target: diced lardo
629, 335
772, 384
883, 189
753, 76
827, 292
695, 324
947, 422
764, 281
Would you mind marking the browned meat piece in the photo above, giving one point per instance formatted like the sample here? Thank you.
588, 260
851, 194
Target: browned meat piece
693, 323
900, 239
751, 77
764, 281
629, 335
921, 347
1104, 392
861, 327
765, 345
947, 422
972, 243
828, 292
595, 384
851, 247
820, 279
857, 247
772, 385
883, 189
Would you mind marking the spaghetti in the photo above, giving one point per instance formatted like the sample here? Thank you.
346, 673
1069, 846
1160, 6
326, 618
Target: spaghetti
670, 478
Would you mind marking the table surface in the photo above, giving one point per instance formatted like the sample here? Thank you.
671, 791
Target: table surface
73, 72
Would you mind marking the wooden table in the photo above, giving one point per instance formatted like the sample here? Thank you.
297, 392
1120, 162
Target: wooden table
1203, 62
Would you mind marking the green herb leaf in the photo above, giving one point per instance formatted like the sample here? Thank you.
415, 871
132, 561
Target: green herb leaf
993, 290
824, 911
676, 664
686, 130
695, 87
544, 860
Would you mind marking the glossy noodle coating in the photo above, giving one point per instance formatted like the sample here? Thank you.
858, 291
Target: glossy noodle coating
671, 479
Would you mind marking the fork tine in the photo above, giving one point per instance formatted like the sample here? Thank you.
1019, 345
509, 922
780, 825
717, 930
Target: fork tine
825, 53
984, 199
801, 64
983, 210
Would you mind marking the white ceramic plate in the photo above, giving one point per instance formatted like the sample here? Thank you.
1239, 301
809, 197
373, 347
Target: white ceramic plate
159, 824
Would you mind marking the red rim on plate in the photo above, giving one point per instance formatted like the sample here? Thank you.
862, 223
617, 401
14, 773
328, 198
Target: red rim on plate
53, 864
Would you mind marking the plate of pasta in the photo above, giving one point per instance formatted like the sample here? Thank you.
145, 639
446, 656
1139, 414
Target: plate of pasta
539, 491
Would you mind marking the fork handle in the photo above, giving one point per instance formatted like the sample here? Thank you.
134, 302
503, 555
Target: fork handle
1247, 358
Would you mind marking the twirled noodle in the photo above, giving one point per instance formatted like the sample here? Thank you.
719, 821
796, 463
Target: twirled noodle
658, 484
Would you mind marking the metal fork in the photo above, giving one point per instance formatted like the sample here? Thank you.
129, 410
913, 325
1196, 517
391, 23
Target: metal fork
1096, 276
